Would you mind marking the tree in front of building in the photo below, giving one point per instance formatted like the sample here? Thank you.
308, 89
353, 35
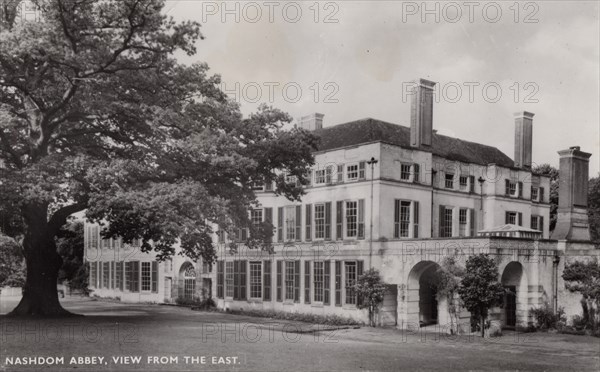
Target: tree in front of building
480, 289
449, 275
584, 278
69, 243
549, 171
12, 263
594, 208
370, 289
98, 114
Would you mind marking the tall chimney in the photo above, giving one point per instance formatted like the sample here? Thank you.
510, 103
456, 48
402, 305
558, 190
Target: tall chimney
572, 220
421, 113
523, 139
311, 122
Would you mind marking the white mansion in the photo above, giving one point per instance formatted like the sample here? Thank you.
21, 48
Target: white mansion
395, 198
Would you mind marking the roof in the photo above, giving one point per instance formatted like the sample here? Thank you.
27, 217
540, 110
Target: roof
509, 228
372, 130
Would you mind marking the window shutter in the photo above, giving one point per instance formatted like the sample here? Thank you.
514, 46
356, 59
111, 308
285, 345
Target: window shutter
541, 224
280, 224
328, 174
112, 274
340, 173
307, 282
220, 278
441, 221
154, 276
506, 217
541, 194
328, 221
472, 183
473, 224
520, 184
243, 279
416, 219
506, 187
359, 272
279, 263
520, 215
136, 275
338, 220
308, 223
297, 281
244, 232
416, 173
298, 223
266, 280
338, 283
236, 280
361, 171
326, 282
396, 218
361, 218
269, 219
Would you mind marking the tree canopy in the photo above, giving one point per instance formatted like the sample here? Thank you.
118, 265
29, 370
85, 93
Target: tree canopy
97, 114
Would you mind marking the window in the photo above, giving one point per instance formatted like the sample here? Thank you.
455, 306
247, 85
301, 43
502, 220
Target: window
256, 216
257, 186
319, 221
321, 176
534, 194
132, 276
105, 274
402, 219
510, 188
119, 276
256, 280
351, 219
93, 274
449, 181
445, 221
220, 278
154, 277
463, 183
146, 276
352, 172
290, 274
94, 237
405, 172
514, 218
189, 282
462, 222
537, 223
229, 279
318, 271
291, 179
350, 270
290, 223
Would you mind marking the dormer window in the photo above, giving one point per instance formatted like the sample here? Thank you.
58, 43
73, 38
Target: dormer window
449, 181
352, 172
463, 183
405, 172
535, 194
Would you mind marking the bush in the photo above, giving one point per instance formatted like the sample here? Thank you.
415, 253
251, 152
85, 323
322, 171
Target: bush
545, 317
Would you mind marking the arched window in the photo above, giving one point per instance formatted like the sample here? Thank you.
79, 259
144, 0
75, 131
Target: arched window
189, 282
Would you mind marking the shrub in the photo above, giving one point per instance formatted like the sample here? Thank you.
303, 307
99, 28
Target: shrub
333, 320
546, 318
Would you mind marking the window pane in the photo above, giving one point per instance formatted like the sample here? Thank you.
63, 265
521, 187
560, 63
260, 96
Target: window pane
351, 218
350, 270
318, 281
229, 279
319, 221
255, 280
146, 276
289, 280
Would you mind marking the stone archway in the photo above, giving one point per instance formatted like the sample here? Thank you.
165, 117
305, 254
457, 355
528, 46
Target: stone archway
187, 282
423, 307
516, 301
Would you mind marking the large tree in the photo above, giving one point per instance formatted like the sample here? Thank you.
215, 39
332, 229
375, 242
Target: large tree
549, 171
97, 114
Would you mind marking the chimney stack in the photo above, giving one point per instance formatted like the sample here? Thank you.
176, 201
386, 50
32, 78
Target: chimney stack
523, 139
572, 220
421, 113
311, 122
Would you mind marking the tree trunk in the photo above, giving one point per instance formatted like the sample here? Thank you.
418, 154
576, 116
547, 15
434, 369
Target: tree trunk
482, 325
40, 296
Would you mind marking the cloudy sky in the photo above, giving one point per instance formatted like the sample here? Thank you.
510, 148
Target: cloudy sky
353, 59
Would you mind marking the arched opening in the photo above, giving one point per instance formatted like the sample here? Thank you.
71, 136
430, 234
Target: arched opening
187, 277
515, 300
423, 307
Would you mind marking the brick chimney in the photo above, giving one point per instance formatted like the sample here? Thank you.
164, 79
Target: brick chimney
311, 122
421, 113
572, 222
523, 139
